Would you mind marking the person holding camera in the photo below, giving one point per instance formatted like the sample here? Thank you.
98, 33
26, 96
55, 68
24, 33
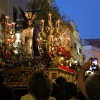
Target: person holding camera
91, 86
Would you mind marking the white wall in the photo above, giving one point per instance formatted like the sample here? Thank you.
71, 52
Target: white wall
90, 51
84, 42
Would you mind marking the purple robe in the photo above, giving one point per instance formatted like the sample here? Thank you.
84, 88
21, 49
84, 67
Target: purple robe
35, 46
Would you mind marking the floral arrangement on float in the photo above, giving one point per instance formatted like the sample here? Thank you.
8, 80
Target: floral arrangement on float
20, 60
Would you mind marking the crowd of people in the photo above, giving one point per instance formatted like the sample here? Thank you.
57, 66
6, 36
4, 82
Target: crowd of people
40, 87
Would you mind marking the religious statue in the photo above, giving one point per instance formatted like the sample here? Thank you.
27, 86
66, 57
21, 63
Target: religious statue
29, 39
29, 34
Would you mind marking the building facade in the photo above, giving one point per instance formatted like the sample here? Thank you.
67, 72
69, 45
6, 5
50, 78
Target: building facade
76, 44
10, 8
91, 48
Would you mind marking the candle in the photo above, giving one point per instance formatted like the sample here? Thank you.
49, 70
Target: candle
9, 26
51, 39
49, 16
13, 25
6, 20
42, 23
57, 23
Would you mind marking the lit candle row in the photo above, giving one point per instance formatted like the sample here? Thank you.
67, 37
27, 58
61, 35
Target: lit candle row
42, 23
11, 26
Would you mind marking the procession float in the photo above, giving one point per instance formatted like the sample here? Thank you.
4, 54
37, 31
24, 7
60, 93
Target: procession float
54, 53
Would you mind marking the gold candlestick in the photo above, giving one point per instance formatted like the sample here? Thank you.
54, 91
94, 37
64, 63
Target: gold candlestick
13, 27
57, 23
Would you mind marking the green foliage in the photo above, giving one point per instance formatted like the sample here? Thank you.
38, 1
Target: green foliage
45, 8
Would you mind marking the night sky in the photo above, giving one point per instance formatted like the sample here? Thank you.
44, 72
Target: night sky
85, 14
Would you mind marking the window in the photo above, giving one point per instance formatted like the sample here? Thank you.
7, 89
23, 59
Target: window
80, 50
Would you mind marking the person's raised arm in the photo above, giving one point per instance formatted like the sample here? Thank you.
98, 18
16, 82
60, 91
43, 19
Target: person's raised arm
80, 79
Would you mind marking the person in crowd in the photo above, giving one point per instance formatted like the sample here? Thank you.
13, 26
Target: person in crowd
60, 81
70, 91
39, 87
80, 94
56, 93
91, 87
6, 92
